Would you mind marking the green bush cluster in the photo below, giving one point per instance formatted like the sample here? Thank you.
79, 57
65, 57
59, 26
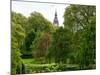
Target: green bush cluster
50, 68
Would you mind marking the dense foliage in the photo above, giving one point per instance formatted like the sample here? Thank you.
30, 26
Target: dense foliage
17, 34
60, 46
80, 20
40, 44
36, 41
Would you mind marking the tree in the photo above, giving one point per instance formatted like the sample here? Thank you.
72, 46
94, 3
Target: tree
17, 37
80, 20
37, 22
88, 47
20, 19
41, 44
76, 17
15, 52
60, 48
26, 49
19, 26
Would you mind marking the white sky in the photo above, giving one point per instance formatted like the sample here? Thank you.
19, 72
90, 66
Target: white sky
48, 10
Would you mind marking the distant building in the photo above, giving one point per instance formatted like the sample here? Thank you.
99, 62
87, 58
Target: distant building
56, 22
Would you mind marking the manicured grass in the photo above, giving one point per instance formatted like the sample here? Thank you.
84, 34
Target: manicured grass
31, 61
34, 61
28, 61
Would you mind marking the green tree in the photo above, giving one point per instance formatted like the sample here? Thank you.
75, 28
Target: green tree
20, 19
77, 17
41, 44
60, 46
17, 38
26, 49
88, 47
37, 22
80, 20
15, 52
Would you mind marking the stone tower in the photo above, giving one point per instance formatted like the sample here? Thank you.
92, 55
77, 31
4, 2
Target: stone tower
56, 22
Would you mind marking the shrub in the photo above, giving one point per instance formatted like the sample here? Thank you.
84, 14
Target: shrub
41, 68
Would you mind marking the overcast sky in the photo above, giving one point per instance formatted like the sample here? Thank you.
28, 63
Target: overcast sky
48, 10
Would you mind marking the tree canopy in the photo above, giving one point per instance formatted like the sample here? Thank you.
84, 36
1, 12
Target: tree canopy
80, 20
38, 39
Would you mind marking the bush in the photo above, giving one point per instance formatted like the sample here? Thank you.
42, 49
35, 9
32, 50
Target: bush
41, 68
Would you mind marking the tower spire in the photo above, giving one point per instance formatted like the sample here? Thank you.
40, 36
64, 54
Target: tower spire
56, 22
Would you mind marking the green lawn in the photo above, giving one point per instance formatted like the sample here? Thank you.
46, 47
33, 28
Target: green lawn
32, 61
28, 61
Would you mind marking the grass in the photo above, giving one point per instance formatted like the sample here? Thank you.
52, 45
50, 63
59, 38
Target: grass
32, 61
28, 61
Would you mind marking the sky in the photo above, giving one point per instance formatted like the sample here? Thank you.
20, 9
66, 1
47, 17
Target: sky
47, 10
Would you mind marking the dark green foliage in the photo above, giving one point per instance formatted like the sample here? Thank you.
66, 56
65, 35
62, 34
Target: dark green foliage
80, 20
28, 40
60, 46
26, 49
40, 44
88, 44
